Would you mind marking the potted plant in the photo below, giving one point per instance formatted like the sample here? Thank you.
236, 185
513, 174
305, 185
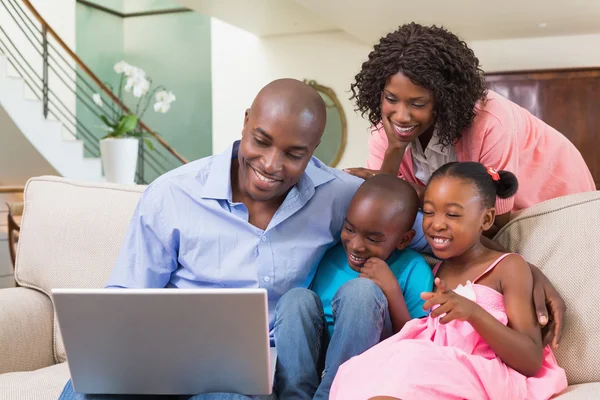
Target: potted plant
119, 147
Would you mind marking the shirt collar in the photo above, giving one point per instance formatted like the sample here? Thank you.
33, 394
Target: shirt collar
218, 182
432, 146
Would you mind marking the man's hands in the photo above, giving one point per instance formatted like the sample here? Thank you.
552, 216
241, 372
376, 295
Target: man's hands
550, 308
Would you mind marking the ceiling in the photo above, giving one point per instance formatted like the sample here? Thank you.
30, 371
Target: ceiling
369, 20
263, 17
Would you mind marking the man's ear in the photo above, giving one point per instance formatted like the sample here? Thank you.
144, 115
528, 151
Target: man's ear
488, 219
405, 240
246, 116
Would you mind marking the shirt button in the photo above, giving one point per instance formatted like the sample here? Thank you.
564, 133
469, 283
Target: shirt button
264, 238
267, 279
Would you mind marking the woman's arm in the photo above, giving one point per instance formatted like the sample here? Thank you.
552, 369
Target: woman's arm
383, 157
519, 344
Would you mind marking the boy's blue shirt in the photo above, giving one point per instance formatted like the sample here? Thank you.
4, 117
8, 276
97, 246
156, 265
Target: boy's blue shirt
410, 268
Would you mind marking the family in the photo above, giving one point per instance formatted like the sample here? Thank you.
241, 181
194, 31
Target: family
355, 312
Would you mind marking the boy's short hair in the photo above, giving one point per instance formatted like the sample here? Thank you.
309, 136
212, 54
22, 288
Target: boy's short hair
392, 191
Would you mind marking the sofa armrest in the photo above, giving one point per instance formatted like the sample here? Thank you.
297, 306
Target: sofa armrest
25, 330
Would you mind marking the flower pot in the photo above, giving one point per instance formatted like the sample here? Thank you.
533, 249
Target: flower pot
119, 159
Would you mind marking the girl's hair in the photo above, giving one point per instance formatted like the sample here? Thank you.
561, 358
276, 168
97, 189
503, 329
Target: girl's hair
430, 57
504, 187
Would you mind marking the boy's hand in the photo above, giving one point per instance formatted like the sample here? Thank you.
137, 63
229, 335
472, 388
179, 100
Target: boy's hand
451, 305
379, 272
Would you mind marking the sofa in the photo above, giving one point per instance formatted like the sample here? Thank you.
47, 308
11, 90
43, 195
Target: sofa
71, 233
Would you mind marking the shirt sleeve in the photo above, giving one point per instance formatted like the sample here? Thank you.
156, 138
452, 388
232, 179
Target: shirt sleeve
148, 254
419, 242
500, 151
377, 146
418, 280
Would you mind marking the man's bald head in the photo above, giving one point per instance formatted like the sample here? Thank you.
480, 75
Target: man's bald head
294, 101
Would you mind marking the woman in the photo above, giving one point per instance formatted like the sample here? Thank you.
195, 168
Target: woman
424, 93
426, 96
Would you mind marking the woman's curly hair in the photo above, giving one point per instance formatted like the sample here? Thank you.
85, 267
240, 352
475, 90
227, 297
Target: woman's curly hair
431, 57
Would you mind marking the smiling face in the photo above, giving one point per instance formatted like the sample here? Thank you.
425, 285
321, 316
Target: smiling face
374, 228
454, 216
281, 131
407, 110
273, 154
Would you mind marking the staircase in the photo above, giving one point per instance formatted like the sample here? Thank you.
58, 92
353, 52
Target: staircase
46, 135
45, 89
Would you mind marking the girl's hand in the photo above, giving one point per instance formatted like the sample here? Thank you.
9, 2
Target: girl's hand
454, 306
380, 273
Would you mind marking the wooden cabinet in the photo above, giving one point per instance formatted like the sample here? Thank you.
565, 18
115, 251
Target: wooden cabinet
568, 100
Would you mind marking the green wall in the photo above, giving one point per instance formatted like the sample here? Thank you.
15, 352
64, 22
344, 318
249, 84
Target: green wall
99, 43
174, 50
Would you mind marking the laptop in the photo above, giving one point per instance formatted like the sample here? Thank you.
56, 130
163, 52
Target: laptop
166, 341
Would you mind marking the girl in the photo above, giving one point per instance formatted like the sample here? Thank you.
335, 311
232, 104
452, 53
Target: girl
481, 340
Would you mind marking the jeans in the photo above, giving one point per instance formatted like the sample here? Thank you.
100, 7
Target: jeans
362, 319
299, 333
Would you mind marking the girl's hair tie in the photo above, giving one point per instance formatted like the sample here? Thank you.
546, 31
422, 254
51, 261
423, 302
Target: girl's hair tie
493, 173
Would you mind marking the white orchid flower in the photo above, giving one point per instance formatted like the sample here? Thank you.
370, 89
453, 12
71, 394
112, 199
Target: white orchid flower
97, 99
162, 107
141, 87
120, 67
132, 71
164, 96
137, 85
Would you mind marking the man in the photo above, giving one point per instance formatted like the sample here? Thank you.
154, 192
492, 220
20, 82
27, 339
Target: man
260, 214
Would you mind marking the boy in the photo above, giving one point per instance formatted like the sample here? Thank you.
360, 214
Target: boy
376, 232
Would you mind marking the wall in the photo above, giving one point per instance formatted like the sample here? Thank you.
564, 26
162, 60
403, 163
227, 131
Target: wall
538, 53
243, 63
174, 50
19, 160
100, 52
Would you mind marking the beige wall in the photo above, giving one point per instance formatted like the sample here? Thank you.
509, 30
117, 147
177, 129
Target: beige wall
538, 53
19, 160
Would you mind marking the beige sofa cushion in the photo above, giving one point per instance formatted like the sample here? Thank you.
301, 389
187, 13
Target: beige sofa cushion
560, 236
42, 384
586, 391
71, 233
26, 330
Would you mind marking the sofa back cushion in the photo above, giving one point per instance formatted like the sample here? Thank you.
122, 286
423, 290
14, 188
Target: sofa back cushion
561, 237
71, 233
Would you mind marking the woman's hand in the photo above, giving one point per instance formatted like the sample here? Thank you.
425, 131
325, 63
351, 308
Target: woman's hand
452, 306
363, 173
390, 164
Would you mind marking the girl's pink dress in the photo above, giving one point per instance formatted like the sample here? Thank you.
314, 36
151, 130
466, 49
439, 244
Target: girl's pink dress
428, 360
